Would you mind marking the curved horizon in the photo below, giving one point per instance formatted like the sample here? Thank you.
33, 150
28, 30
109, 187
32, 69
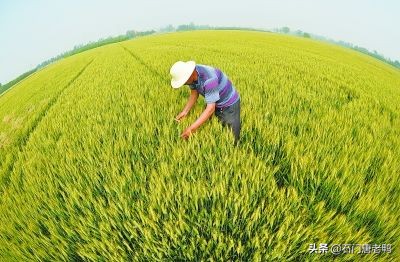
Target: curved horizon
37, 31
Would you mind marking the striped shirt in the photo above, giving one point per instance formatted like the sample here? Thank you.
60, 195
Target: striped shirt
215, 86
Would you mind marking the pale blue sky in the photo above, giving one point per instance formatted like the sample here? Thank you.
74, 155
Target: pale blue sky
34, 31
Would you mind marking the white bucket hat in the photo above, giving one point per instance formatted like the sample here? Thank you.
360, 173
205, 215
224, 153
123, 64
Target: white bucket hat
180, 72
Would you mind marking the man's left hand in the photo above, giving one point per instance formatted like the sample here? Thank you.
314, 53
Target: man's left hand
188, 131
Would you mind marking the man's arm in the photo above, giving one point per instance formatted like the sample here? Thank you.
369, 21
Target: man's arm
202, 118
192, 100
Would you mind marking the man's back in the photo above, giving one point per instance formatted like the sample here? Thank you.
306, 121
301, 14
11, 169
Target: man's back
215, 86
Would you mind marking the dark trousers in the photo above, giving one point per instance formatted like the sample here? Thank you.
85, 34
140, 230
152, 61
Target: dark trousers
230, 116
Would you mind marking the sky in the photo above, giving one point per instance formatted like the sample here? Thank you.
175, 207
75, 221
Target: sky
32, 31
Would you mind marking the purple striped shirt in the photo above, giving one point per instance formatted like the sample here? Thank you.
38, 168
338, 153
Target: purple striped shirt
215, 86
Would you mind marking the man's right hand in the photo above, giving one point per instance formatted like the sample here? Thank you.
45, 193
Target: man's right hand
180, 116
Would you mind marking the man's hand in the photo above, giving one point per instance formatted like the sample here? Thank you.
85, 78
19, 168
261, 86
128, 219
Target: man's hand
188, 131
192, 100
203, 117
180, 116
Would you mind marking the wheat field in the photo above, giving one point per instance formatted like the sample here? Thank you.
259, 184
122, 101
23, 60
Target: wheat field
92, 167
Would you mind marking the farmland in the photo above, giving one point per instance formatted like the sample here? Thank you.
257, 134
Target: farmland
92, 166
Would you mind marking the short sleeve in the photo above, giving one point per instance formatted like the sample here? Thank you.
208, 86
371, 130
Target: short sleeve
211, 96
210, 84
211, 93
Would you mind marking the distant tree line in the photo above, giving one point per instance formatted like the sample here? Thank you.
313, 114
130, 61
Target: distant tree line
188, 27
77, 49
286, 30
93, 44
3, 88
191, 26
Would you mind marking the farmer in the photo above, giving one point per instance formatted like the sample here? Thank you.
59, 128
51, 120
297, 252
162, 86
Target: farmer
218, 91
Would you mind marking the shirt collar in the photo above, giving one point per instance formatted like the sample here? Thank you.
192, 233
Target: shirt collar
198, 75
